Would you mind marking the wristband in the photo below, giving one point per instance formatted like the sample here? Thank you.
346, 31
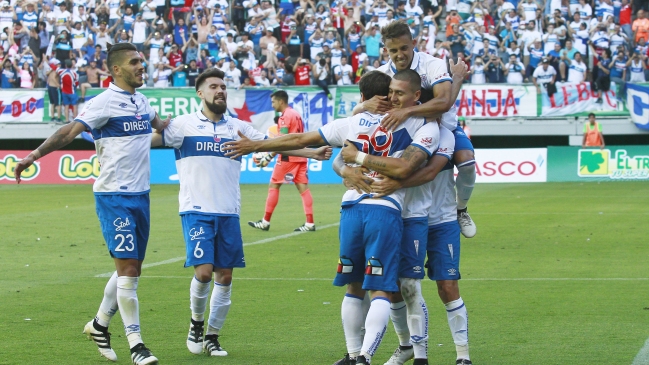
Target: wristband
360, 158
36, 153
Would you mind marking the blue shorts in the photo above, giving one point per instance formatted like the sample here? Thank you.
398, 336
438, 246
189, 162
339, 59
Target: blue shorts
444, 251
288, 8
213, 239
462, 142
413, 248
125, 222
369, 247
69, 99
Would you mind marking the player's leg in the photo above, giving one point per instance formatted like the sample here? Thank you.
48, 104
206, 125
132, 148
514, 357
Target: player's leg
227, 256
443, 267
271, 200
382, 227
301, 183
464, 159
350, 272
399, 318
200, 234
97, 329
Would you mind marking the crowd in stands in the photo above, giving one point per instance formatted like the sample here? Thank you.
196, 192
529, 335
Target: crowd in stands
321, 42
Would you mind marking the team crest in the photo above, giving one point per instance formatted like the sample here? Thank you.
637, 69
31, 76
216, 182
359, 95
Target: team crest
138, 116
345, 265
217, 139
374, 267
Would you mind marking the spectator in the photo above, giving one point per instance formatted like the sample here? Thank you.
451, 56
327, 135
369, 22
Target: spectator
69, 81
232, 76
303, 72
514, 70
545, 75
577, 68
593, 136
637, 66
53, 88
161, 75
536, 55
344, 72
9, 75
641, 26
495, 70
478, 71
372, 43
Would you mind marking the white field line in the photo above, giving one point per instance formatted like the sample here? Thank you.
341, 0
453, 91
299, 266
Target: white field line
468, 279
642, 358
260, 242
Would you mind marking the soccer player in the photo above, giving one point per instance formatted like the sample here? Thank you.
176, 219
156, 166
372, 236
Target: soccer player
120, 120
288, 168
443, 246
436, 102
369, 226
210, 217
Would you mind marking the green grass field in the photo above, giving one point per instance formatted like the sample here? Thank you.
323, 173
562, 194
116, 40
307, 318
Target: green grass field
557, 274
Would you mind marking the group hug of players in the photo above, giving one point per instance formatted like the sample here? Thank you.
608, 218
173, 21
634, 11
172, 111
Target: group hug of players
398, 155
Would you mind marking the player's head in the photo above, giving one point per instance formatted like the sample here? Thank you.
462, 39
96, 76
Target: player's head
125, 64
399, 44
211, 89
374, 83
591, 117
405, 89
279, 100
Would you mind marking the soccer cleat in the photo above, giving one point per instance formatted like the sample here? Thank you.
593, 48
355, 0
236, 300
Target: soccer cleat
305, 228
467, 227
401, 355
346, 360
463, 362
141, 355
101, 339
212, 346
259, 225
195, 337
362, 360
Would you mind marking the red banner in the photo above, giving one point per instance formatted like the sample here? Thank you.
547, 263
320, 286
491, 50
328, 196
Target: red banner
60, 167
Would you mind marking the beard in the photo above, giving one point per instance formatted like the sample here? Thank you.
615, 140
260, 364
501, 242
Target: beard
216, 108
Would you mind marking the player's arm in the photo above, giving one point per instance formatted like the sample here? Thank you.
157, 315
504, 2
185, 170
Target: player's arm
58, 140
445, 95
398, 168
353, 177
386, 185
320, 154
287, 142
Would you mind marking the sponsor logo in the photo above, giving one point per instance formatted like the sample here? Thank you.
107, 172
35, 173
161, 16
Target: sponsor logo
8, 168
452, 272
416, 269
374, 267
427, 141
619, 165
201, 127
345, 265
120, 224
82, 169
123, 105
195, 234
140, 125
289, 177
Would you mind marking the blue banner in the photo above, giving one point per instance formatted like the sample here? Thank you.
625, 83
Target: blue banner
163, 170
637, 101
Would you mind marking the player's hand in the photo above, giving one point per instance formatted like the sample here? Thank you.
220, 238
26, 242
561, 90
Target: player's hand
355, 178
349, 152
458, 69
384, 186
265, 160
162, 124
323, 153
377, 104
242, 147
395, 118
23, 165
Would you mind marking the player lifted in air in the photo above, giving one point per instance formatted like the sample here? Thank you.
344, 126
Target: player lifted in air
120, 120
369, 226
437, 101
287, 168
210, 203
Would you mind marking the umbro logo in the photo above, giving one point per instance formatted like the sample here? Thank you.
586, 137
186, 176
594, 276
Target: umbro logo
452, 272
123, 105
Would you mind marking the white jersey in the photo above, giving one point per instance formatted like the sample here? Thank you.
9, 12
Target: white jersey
418, 199
365, 131
544, 76
444, 207
209, 180
432, 71
120, 124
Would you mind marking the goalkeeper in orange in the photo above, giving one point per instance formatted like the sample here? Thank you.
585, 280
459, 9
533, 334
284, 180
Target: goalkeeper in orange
288, 168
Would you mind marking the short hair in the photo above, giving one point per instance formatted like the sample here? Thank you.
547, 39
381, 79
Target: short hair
591, 115
395, 29
114, 51
411, 77
280, 95
213, 72
374, 83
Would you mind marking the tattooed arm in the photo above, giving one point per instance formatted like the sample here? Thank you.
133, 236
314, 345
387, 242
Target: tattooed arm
59, 139
398, 168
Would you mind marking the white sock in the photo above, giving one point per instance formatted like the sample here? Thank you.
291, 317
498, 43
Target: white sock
351, 312
458, 322
417, 316
219, 307
375, 326
198, 293
129, 308
265, 222
464, 183
399, 317
108, 306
